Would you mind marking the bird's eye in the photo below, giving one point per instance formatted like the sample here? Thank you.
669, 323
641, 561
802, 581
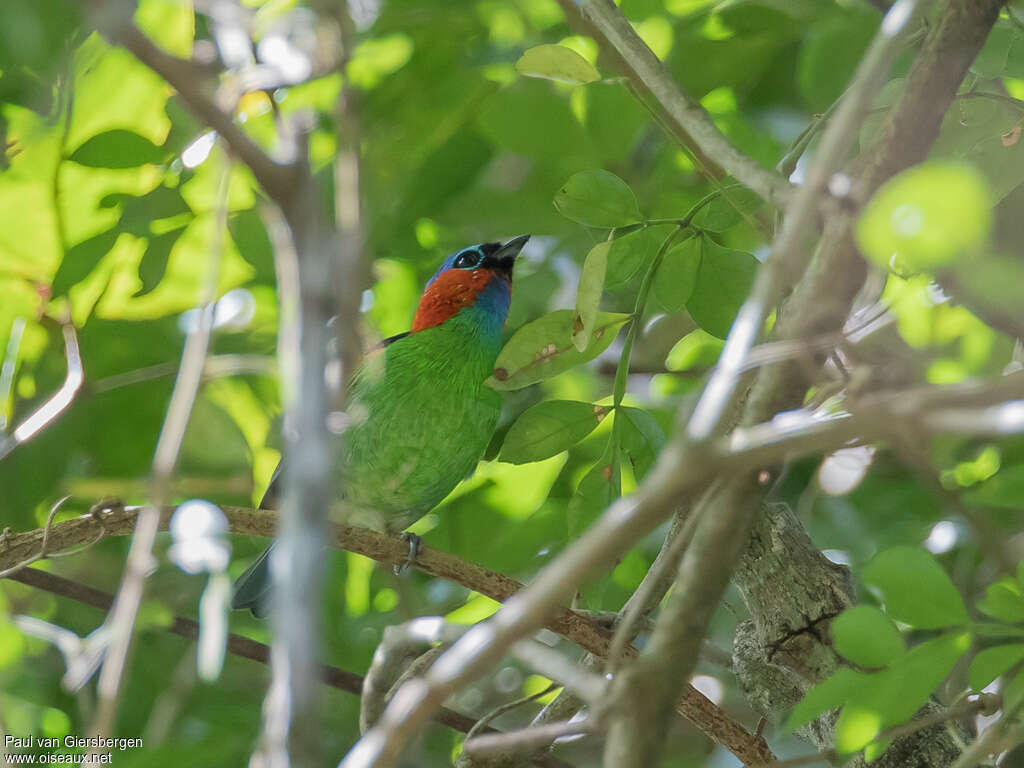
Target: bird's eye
466, 260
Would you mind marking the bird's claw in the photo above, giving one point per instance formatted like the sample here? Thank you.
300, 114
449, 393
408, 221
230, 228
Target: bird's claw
415, 544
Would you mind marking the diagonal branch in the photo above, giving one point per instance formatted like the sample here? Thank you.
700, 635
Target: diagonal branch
687, 116
244, 647
820, 304
191, 82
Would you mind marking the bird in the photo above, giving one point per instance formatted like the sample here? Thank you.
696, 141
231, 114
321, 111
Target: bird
419, 413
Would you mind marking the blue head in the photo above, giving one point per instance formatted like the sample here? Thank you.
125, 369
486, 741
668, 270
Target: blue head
477, 279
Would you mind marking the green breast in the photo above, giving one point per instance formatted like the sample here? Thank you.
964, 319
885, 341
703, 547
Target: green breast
420, 419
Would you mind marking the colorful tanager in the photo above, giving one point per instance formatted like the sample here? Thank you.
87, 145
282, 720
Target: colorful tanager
420, 415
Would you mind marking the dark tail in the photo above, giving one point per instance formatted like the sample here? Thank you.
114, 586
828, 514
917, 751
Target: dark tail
252, 590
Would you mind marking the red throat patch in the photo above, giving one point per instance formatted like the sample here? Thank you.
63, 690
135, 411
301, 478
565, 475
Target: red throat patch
450, 292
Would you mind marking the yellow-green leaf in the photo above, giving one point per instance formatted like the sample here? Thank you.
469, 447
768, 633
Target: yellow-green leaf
544, 348
588, 294
926, 217
556, 62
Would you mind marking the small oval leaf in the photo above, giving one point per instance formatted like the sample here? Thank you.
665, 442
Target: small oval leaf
556, 62
549, 428
728, 209
915, 589
598, 198
544, 348
628, 254
723, 282
1003, 601
926, 217
992, 662
640, 438
825, 696
866, 636
117, 149
677, 275
588, 294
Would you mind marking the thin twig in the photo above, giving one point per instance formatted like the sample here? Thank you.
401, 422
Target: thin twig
45, 414
121, 620
527, 739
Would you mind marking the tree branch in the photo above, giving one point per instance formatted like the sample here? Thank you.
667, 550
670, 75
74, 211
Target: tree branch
238, 645
819, 305
191, 82
647, 72
387, 549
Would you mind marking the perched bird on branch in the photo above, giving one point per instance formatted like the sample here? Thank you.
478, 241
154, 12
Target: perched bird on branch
420, 415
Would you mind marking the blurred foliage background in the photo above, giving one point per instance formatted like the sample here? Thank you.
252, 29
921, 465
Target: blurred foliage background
108, 209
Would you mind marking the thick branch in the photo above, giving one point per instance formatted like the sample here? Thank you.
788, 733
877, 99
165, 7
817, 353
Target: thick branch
820, 304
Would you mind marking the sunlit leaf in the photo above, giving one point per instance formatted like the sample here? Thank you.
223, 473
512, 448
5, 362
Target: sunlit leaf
556, 62
866, 636
926, 217
598, 198
915, 589
894, 695
549, 428
544, 348
588, 294
826, 696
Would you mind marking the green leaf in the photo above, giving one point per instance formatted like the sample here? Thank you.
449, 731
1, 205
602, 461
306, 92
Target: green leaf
80, 260
677, 275
598, 198
866, 636
153, 265
549, 428
118, 149
723, 282
588, 294
1003, 601
825, 696
628, 254
926, 217
544, 348
1013, 693
595, 492
831, 51
992, 662
894, 695
556, 62
727, 210
640, 438
697, 349
915, 589
991, 59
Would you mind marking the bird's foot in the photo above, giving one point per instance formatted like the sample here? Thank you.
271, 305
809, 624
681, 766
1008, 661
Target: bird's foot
415, 544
